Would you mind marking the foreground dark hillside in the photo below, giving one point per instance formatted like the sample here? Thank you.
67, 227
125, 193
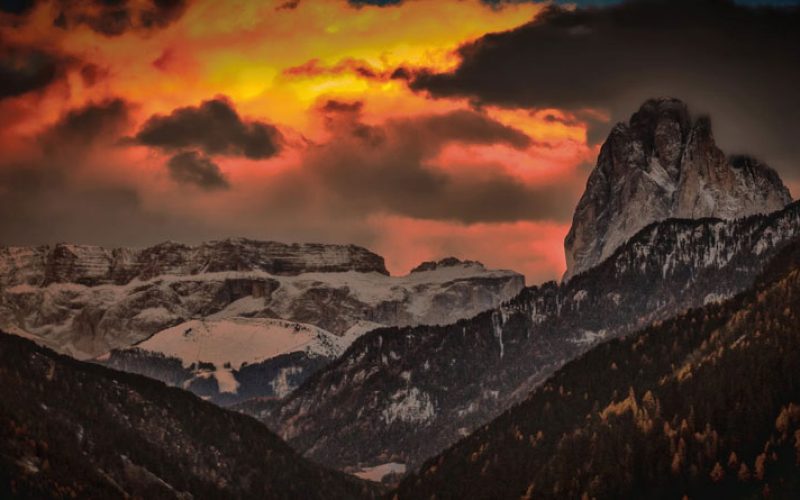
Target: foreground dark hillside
72, 429
705, 405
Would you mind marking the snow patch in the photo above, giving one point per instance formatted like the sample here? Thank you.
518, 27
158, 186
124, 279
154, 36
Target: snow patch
471, 408
588, 337
281, 385
378, 472
410, 406
155, 315
236, 341
226, 381
714, 297
240, 307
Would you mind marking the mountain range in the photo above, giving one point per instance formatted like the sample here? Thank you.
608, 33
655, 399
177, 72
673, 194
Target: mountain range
304, 303
420, 389
704, 405
662, 365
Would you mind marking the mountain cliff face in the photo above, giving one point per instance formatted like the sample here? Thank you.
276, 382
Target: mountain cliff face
301, 306
93, 265
663, 164
706, 405
86, 301
401, 395
84, 431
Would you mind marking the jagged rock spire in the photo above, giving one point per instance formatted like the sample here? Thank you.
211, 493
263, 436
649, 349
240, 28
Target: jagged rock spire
663, 164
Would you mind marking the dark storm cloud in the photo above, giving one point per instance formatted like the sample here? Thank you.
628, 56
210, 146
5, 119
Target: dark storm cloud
293, 4
473, 128
737, 63
193, 168
115, 17
162, 13
63, 149
79, 128
374, 3
92, 73
24, 70
288, 5
387, 169
40, 205
357, 67
497, 4
41, 200
605, 3
17, 7
215, 127
334, 106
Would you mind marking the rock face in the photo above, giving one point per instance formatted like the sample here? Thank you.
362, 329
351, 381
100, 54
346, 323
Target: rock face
443, 263
86, 300
400, 395
93, 265
663, 164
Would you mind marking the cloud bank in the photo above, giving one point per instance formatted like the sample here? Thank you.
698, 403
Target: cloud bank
737, 63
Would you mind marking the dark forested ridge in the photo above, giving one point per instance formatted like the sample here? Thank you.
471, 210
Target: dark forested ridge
705, 405
75, 430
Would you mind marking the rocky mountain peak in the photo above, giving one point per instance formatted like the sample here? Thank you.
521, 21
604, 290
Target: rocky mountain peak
662, 125
445, 262
663, 163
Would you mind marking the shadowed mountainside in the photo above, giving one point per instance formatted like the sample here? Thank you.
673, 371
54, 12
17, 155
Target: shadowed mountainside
74, 429
706, 405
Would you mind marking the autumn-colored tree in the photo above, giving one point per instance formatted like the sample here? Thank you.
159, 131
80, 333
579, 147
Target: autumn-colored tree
717, 473
744, 472
760, 466
733, 460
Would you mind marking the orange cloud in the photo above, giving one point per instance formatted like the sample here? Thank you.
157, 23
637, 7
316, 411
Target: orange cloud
407, 154
241, 49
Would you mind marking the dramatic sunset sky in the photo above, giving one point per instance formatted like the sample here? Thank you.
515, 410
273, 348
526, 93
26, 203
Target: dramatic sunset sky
418, 129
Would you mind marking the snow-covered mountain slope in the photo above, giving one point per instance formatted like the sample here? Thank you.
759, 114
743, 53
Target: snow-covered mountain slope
233, 359
663, 164
86, 301
403, 394
239, 341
